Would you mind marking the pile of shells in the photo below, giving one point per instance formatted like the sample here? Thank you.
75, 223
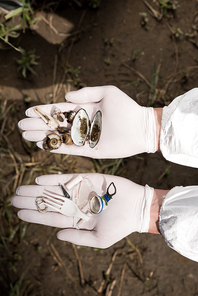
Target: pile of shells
81, 128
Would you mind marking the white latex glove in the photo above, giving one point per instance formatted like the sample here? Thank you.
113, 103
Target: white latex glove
128, 211
127, 128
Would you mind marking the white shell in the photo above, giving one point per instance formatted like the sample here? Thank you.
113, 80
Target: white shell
49, 120
80, 128
95, 129
58, 115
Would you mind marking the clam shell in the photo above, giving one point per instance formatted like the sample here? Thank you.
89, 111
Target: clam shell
95, 129
80, 128
51, 142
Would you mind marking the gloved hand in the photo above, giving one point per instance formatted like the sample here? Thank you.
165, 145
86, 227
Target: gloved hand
127, 128
128, 211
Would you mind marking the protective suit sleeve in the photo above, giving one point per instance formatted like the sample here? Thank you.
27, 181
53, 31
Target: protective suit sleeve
179, 133
178, 220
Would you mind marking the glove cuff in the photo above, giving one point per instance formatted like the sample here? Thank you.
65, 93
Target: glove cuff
146, 205
150, 130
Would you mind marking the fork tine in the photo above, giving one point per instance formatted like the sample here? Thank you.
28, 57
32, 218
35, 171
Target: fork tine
50, 202
54, 195
51, 206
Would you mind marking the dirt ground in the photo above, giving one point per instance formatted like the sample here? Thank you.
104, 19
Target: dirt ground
112, 44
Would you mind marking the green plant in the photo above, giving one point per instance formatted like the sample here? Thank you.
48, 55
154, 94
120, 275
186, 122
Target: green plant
177, 32
26, 13
6, 32
73, 74
166, 5
28, 59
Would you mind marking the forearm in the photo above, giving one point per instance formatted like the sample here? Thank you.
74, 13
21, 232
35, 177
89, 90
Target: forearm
158, 119
155, 210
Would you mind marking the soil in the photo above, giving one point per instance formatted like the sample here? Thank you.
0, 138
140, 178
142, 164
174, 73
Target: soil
112, 44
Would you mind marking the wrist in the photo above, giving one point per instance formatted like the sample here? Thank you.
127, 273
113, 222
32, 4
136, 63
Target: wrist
156, 204
158, 119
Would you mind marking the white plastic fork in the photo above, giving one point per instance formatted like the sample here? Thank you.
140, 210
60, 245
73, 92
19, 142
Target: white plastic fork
63, 205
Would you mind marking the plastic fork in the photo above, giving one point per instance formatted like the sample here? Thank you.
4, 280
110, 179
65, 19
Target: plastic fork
63, 205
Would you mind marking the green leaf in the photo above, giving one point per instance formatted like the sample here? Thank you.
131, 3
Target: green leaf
14, 13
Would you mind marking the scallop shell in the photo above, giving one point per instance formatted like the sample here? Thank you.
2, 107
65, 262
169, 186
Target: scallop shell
51, 142
95, 129
80, 128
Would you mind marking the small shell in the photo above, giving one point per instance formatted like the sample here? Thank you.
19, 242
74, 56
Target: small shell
95, 129
80, 127
66, 139
63, 129
49, 120
51, 142
58, 115
69, 116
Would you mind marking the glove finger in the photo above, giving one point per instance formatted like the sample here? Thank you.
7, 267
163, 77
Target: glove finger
35, 190
36, 124
55, 179
49, 218
79, 237
86, 95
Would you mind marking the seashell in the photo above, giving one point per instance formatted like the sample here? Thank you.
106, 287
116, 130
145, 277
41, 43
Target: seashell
66, 139
58, 115
69, 116
51, 142
80, 127
95, 129
63, 129
49, 120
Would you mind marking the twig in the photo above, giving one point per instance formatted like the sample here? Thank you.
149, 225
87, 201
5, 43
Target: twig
110, 287
107, 272
155, 13
138, 73
164, 173
16, 169
74, 38
49, 23
134, 248
60, 262
82, 281
121, 280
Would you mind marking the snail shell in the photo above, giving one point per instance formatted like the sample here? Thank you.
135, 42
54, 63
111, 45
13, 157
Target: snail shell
51, 142
80, 128
58, 115
66, 139
69, 116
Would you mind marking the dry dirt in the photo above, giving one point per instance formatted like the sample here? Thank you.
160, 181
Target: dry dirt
111, 47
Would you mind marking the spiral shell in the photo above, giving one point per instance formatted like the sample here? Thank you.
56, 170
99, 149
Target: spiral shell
66, 139
51, 142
